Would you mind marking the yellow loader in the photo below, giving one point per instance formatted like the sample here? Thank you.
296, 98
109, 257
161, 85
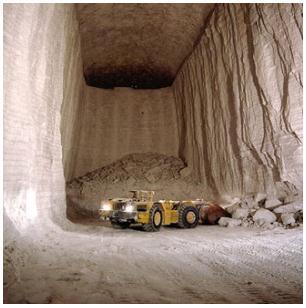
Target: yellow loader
141, 209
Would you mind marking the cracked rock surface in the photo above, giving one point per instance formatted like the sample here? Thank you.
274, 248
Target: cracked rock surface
239, 99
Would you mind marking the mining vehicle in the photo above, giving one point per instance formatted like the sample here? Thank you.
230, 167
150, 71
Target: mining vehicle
142, 210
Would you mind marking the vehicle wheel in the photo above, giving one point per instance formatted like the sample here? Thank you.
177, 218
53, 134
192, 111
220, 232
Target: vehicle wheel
188, 216
120, 225
155, 219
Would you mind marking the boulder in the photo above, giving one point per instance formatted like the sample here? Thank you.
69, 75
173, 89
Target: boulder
264, 216
260, 198
271, 204
290, 199
260, 222
154, 174
211, 213
234, 223
289, 208
229, 222
130, 182
240, 213
233, 207
243, 204
288, 219
248, 202
286, 191
185, 172
235, 200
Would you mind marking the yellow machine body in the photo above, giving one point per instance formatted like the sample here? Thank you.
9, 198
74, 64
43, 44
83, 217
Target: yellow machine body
140, 208
170, 215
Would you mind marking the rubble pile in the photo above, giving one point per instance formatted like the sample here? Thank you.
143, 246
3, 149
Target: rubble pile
144, 171
266, 212
168, 177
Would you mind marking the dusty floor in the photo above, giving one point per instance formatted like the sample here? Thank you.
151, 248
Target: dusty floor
210, 264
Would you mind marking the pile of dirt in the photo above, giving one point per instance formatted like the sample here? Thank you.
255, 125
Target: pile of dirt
149, 171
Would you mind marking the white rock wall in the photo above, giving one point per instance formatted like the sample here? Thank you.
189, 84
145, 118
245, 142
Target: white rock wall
39, 42
74, 87
239, 99
238, 107
117, 122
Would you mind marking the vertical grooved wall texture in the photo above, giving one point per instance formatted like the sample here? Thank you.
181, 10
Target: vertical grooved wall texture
121, 121
239, 99
73, 97
37, 44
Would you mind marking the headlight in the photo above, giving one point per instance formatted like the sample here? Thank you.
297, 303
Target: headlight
129, 208
106, 206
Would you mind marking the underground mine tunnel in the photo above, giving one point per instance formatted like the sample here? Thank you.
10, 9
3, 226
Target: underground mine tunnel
192, 101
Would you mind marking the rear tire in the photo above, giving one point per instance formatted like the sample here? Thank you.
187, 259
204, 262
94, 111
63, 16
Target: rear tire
120, 225
188, 216
155, 219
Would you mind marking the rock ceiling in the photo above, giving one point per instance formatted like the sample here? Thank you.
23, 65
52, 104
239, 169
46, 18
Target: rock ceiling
138, 45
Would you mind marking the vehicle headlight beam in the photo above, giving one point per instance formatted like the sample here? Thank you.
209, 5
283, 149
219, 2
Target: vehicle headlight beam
106, 206
129, 208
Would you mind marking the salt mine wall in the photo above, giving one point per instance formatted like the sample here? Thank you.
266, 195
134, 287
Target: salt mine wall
239, 99
41, 54
73, 95
120, 121
233, 113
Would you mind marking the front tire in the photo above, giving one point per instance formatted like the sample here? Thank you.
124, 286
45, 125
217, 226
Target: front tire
155, 219
188, 216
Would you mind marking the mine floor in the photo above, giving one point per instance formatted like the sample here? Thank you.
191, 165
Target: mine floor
95, 263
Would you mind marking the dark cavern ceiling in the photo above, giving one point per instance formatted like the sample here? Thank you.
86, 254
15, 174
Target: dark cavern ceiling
137, 45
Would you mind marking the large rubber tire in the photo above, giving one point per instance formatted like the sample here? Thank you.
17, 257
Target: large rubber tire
188, 216
120, 225
155, 219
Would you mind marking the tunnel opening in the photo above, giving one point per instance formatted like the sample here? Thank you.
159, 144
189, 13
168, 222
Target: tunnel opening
128, 113
131, 77
144, 93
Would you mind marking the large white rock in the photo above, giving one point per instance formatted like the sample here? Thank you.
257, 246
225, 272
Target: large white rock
264, 215
289, 208
288, 218
185, 172
240, 213
249, 202
232, 208
290, 199
271, 204
260, 197
229, 222
286, 191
